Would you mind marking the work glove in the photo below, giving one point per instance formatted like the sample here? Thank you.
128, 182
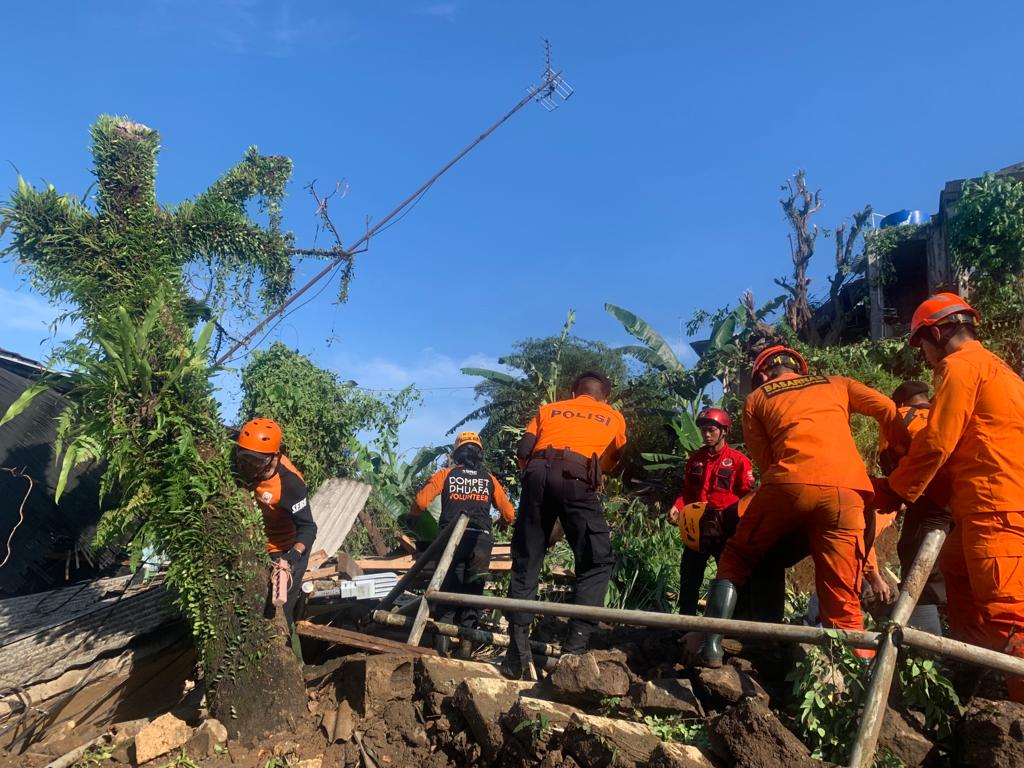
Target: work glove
886, 500
502, 524
292, 557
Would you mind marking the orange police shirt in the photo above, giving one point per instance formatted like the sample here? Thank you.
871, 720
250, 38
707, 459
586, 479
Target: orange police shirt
797, 429
582, 425
976, 431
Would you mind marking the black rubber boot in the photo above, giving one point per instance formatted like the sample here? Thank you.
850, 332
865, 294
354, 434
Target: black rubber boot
721, 604
518, 664
578, 638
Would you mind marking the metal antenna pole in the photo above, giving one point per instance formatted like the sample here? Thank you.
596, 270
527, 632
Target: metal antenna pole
552, 85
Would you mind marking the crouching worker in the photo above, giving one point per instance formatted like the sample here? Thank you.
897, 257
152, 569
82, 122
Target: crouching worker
813, 487
466, 487
281, 495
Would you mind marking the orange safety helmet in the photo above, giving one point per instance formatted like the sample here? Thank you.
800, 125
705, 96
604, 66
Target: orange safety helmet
261, 436
468, 438
940, 309
778, 355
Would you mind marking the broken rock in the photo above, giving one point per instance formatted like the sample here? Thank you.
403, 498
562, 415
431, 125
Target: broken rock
206, 738
669, 755
588, 678
903, 740
532, 721
161, 736
667, 696
371, 681
750, 736
601, 742
344, 723
727, 685
992, 734
441, 675
482, 701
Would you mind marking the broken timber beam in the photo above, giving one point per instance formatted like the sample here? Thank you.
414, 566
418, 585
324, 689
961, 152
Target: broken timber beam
358, 640
423, 611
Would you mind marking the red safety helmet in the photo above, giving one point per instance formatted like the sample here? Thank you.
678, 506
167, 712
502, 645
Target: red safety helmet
716, 416
780, 355
940, 309
261, 436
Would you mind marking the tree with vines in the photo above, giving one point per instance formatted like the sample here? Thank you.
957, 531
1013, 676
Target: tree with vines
143, 400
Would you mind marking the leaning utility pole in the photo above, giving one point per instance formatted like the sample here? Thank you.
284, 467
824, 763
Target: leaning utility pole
552, 88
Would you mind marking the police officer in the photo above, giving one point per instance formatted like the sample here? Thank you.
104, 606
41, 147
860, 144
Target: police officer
564, 451
466, 487
718, 475
281, 495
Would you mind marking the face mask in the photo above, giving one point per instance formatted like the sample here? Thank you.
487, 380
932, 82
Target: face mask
252, 465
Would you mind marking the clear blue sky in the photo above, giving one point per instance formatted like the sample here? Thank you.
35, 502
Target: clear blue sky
655, 187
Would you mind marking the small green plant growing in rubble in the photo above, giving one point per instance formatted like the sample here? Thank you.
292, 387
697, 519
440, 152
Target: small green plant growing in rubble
678, 729
181, 761
539, 726
95, 755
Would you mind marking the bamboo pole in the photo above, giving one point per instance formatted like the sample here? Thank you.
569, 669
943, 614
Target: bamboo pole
884, 666
464, 633
755, 629
422, 613
954, 649
418, 565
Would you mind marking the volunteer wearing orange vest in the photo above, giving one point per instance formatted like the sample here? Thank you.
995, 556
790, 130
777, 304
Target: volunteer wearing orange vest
975, 435
813, 486
467, 487
281, 495
564, 451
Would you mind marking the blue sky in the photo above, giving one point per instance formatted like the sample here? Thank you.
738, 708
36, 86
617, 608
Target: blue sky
655, 187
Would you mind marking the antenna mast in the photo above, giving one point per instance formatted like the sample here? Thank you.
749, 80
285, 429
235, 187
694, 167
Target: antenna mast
552, 88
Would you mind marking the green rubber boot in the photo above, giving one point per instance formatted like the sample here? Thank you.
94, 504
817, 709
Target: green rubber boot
721, 604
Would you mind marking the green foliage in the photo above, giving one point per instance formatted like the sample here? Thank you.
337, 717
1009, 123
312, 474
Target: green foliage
94, 756
319, 414
647, 550
829, 685
927, 690
143, 401
680, 730
986, 237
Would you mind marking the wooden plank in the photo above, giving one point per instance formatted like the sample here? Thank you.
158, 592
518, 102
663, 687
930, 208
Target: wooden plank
358, 640
371, 529
407, 544
404, 562
316, 560
320, 573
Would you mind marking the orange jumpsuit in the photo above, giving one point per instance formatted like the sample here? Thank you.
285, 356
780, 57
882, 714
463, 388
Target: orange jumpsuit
975, 434
813, 484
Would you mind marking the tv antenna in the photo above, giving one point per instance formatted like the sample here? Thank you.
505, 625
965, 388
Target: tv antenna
551, 90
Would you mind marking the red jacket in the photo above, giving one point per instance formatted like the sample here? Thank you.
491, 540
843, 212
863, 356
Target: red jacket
717, 478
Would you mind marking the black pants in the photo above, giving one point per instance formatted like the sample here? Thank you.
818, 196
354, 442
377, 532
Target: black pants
555, 490
298, 571
921, 517
762, 598
468, 572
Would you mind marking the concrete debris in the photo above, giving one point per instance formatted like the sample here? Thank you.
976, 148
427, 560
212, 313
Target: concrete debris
589, 678
160, 737
369, 682
669, 755
667, 696
482, 701
727, 685
991, 734
206, 738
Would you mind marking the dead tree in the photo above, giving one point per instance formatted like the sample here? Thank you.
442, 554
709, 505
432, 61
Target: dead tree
799, 205
846, 264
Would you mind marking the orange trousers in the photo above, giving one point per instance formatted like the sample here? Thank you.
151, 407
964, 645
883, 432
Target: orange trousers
983, 565
828, 520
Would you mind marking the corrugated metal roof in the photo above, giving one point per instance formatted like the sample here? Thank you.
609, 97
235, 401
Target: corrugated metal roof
336, 504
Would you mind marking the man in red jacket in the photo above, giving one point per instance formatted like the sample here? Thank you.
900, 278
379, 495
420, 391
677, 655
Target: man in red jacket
718, 475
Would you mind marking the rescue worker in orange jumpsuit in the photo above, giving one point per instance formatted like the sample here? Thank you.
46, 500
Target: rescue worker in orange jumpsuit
929, 512
718, 475
813, 486
564, 451
467, 487
281, 495
975, 434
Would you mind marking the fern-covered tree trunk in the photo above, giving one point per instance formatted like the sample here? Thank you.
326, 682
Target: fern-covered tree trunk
143, 401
